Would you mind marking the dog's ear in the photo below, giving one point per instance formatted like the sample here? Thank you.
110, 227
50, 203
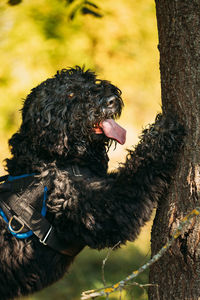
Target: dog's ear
51, 125
44, 117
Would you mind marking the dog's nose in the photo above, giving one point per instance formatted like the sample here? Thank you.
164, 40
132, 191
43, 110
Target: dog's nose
111, 101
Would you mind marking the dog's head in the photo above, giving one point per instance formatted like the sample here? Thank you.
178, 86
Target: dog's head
72, 110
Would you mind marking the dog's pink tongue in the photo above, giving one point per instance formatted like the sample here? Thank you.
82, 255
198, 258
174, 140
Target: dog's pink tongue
112, 130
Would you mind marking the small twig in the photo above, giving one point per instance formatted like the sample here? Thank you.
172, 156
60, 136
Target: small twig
143, 286
105, 260
157, 292
120, 294
107, 290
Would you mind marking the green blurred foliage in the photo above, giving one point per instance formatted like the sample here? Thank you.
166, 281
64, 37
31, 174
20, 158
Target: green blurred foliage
86, 274
38, 38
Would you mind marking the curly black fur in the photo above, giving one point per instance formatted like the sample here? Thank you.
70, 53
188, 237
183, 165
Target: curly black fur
96, 210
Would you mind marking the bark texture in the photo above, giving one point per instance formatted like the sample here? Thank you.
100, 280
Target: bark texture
178, 272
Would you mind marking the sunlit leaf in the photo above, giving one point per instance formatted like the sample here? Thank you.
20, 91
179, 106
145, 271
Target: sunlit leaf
88, 11
14, 2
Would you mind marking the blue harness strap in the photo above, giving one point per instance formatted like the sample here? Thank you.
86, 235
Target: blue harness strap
43, 211
12, 178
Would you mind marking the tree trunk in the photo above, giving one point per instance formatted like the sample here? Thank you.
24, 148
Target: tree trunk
177, 273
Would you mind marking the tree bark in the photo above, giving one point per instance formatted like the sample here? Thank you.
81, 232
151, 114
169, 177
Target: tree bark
177, 273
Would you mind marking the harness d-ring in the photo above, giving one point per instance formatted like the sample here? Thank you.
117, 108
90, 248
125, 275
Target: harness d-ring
10, 224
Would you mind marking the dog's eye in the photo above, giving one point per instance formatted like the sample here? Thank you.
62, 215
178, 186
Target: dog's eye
70, 96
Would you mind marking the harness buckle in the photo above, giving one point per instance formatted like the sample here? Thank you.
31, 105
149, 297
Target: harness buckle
10, 224
46, 236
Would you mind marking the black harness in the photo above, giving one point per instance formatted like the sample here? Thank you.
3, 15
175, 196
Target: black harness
23, 208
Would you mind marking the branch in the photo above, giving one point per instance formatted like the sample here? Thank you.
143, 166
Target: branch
107, 290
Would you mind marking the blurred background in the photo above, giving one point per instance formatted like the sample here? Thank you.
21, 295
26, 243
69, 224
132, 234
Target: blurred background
39, 37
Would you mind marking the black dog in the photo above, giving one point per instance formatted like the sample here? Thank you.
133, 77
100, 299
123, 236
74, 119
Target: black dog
59, 196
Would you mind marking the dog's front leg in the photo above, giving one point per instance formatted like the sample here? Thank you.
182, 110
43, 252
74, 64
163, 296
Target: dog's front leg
115, 208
